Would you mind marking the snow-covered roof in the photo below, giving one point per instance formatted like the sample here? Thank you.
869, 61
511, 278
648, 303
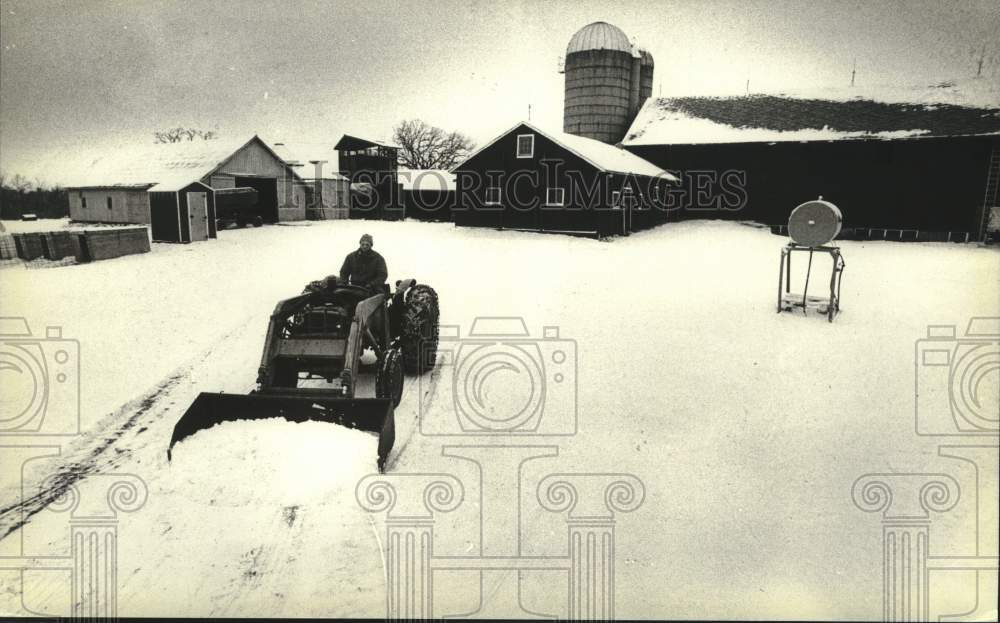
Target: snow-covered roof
604, 157
821, 115
159, 167
426, 179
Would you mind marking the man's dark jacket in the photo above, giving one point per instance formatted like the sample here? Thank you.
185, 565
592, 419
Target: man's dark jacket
366, 269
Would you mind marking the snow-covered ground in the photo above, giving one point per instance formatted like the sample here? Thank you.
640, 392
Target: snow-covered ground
746, 428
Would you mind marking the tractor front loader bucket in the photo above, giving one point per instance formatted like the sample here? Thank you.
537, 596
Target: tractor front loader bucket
373, 415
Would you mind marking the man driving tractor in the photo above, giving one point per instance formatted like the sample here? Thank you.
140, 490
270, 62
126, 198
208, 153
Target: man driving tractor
365, 267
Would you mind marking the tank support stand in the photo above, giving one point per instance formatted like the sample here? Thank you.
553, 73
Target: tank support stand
789, 301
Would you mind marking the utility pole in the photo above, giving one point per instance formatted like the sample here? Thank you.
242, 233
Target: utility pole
982, 56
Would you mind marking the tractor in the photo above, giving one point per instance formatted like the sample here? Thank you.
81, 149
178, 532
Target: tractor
311, 367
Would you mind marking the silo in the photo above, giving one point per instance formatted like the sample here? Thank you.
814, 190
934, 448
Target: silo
633, 91
599, 68
645, 76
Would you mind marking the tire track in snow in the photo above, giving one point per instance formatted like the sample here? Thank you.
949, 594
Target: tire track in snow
91, 462
86, 455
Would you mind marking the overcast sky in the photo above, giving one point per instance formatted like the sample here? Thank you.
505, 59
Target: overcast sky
89, 71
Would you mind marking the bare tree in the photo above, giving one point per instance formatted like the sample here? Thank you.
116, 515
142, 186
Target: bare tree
177, 135
424, 146
17, 182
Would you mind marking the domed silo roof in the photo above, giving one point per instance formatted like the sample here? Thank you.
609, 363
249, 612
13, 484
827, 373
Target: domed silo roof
599, 36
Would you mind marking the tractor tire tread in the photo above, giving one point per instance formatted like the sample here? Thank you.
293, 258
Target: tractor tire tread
420, 329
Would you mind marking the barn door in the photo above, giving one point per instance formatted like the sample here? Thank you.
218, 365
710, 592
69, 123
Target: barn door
198, 214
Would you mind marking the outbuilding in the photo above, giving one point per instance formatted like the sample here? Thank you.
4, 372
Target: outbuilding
535, 180
327, 192
911, 164
427, 194
171, 187
371, 168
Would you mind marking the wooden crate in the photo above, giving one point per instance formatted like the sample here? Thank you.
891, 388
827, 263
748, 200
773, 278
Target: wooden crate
61, 244
103, 244
8, 248
29, 246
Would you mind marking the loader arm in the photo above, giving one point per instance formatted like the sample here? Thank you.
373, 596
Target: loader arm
359, 336
285, 308
282, 397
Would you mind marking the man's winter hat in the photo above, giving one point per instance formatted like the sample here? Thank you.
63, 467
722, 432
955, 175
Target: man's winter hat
366, 237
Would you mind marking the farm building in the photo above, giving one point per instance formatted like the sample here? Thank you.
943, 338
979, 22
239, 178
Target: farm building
171, 187
328, 193
371, 167
902, 164
528, 179
427, 194
327, 197
908, 169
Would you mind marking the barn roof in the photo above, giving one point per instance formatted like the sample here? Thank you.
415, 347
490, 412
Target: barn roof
160, 167
821, 116
604, 157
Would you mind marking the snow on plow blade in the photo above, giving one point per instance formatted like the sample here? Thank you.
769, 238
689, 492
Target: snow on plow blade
374, 415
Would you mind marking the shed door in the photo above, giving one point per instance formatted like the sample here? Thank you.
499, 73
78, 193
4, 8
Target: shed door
198, 213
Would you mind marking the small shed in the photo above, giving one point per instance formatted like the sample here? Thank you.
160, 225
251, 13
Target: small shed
182, 212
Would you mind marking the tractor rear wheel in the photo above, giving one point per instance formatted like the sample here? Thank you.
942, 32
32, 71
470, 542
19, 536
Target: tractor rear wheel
420, 329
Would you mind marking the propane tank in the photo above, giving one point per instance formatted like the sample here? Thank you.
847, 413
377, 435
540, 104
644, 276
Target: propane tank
814, 223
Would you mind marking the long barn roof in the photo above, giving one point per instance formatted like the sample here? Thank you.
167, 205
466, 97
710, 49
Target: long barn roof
823, 116
159, 168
